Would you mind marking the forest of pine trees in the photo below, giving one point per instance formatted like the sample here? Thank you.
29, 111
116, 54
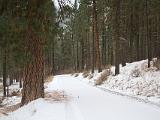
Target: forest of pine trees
38, 40
109, 32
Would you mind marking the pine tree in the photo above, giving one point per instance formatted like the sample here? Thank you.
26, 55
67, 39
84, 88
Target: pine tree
38, 19
116, 33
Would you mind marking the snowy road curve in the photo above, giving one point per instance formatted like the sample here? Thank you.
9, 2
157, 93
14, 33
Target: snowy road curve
91, 103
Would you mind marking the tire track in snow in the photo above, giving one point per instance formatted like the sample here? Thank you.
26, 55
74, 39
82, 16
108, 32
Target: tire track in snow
72, 111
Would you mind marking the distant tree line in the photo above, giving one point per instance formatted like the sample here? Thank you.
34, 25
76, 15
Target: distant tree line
99, 33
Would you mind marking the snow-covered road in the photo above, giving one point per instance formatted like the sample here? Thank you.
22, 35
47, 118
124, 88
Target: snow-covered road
84, 102
91, 103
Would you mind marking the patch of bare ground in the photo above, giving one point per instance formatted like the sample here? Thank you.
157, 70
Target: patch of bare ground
5, 110
15, 93
86, 74
56, 96
48, 79
76, 75
90, 76
103, 77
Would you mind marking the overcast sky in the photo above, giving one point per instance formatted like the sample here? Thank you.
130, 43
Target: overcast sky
56, 3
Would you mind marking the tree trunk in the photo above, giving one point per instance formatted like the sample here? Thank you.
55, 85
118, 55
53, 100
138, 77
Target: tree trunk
98, 53
116, 38
82, 55
4, 72
77, 56
104, 48
93, 46
131, 34
148, 34
33, 83
53, 58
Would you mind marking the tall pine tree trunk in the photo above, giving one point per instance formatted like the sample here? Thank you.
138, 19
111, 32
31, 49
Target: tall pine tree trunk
148, 34
53, 58
98, 53
131, 32
33, 85
77, 56
93, 46
4, 72
116, 38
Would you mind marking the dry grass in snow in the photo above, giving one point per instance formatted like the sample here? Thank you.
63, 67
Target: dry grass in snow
5, 110
104, 75
76, 74
57, 96
49, 79
86, 74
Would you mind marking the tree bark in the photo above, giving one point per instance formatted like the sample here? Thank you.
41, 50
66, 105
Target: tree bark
33, 83
4, 72
93, 45
116, 38
148, 34
98, 53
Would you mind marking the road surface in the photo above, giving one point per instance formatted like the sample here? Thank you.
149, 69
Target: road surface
91, 103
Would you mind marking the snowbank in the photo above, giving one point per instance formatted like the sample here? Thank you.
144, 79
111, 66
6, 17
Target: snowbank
134, 79
38, 110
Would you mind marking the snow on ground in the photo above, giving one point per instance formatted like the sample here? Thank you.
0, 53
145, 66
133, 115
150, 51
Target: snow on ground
85, 103
14, 98
38, 110
135, 79
10, 101
13, 88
